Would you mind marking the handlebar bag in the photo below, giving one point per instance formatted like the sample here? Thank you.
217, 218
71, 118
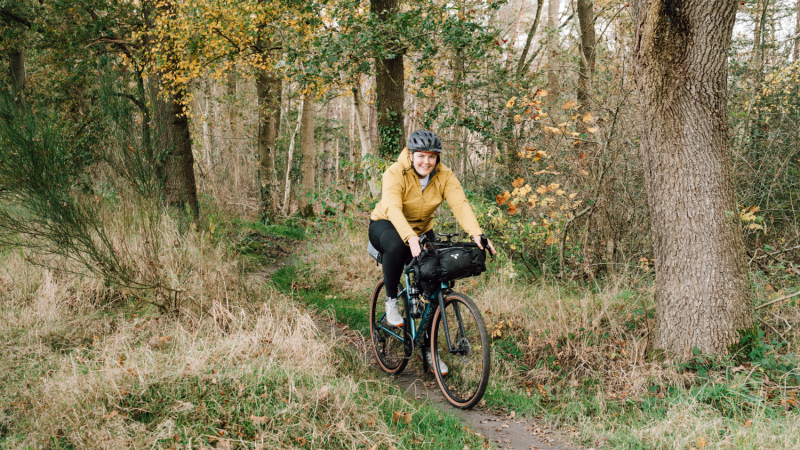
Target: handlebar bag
452, 263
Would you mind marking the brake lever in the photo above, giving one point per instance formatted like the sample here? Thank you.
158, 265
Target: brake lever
485, 244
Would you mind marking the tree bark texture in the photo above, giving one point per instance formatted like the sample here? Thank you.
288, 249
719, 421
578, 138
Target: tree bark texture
587, 54
308, 167
390, 81
17, 72
702, 295
180, 189
268, 91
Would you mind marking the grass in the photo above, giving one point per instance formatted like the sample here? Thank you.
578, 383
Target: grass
577, 356
239, 364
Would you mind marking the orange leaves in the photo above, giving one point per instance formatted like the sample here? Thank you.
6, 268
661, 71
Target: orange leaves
553, 130
569, 105
748, 216
501, 199
512, 208
529, 153
399, 417
545, 189
517, 182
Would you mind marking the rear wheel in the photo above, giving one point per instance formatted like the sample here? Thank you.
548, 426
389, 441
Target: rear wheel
469, 361
388, 342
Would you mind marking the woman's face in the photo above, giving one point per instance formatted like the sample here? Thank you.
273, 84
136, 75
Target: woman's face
424, 162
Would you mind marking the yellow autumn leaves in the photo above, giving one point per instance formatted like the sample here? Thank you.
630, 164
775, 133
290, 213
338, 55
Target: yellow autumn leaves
750, 219
522, 193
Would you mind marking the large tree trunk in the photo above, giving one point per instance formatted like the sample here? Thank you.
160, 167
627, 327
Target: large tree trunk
180, 189
268, 91
587, 54
308, 167
390, 80
553, 86
17, 72
702, 295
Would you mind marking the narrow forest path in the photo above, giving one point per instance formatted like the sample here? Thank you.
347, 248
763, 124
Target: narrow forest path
503, 431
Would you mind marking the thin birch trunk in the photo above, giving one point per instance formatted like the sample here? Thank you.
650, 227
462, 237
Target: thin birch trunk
308, 167
523, 64
553, 85
287, 185
796, 52
508, 54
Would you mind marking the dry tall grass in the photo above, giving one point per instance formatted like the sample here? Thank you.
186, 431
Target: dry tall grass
82, 357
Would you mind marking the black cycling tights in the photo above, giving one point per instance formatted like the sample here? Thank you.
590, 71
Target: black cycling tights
396, 253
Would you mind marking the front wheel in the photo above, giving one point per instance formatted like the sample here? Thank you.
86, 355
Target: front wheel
468, 360
388, 342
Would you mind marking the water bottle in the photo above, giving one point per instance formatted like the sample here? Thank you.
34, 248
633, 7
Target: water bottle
413, 296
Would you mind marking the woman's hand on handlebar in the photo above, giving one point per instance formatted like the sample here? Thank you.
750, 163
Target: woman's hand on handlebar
413, 243
478, 239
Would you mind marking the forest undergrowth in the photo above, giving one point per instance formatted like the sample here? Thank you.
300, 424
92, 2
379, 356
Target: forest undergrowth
578, 354
237, 364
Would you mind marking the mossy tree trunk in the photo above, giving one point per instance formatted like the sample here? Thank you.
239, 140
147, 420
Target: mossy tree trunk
268, 90
180, 189
390, 81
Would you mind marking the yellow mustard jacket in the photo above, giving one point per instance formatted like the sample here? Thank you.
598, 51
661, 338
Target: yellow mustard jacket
410, 209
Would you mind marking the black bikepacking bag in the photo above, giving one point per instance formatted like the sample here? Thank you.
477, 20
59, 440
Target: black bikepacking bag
451, 263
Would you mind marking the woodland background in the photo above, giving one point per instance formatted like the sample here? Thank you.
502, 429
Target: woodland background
155, 154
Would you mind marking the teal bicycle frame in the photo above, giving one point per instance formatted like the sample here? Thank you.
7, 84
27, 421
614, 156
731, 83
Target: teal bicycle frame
427, 314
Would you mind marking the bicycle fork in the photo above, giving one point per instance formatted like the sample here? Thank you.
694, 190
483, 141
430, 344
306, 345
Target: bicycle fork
445, 325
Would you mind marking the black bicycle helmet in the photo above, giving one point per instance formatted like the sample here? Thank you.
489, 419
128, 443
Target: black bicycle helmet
424, 141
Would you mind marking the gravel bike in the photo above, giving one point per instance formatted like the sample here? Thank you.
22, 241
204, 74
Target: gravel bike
440, 319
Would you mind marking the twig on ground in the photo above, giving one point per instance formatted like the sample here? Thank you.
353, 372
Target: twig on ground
778, 300
773, 329
748, 375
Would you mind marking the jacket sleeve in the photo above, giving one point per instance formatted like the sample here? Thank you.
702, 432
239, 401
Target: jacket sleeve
454, 195
392, 201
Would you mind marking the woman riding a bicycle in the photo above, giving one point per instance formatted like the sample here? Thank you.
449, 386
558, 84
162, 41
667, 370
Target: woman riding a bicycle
413, 188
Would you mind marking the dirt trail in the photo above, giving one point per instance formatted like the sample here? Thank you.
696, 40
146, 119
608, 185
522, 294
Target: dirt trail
506, 432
